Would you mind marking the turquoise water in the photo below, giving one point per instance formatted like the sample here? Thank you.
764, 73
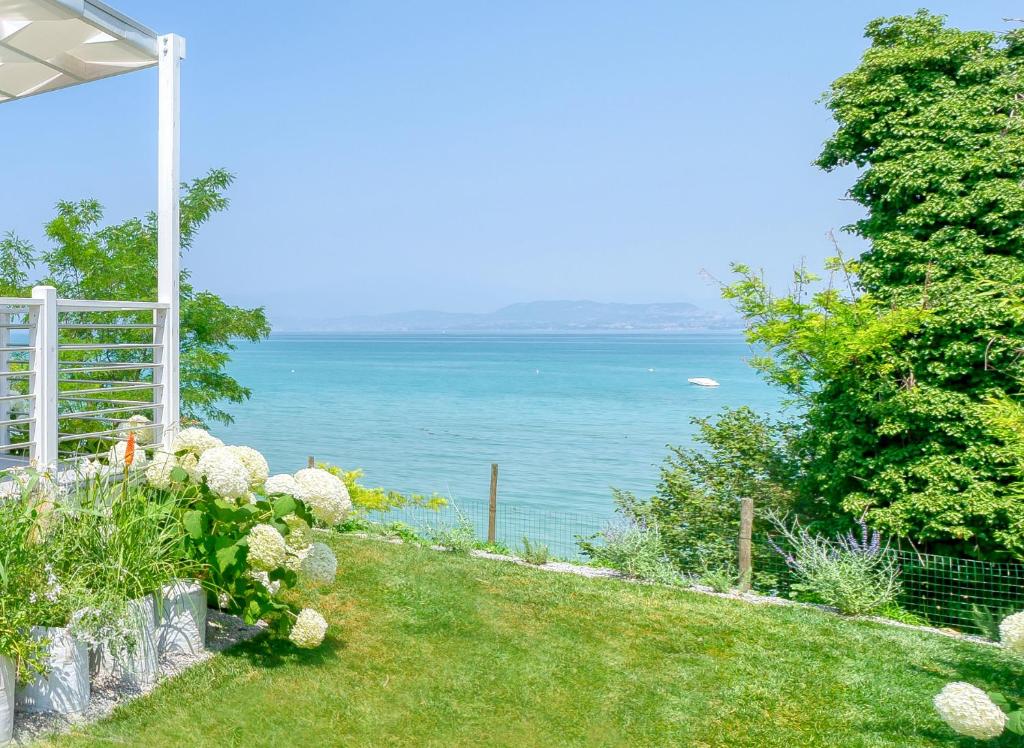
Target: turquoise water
565, 416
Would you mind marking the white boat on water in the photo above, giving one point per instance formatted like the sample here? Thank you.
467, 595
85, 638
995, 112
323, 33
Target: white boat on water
703, 381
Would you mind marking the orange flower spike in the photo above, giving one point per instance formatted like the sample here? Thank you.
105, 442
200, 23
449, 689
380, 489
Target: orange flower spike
129, 450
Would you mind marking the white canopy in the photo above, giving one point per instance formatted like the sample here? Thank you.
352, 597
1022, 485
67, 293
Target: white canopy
50, 44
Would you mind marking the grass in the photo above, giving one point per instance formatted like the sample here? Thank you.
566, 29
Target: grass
431, 649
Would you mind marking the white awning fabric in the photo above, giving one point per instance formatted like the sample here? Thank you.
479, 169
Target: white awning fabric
51, 44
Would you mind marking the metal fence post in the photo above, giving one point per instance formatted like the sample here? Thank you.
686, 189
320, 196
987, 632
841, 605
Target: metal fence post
44, 381
744, 550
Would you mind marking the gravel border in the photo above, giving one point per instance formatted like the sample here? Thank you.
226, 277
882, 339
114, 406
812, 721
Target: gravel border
223, 631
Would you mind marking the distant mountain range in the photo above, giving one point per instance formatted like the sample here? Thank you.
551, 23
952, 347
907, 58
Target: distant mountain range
534, 316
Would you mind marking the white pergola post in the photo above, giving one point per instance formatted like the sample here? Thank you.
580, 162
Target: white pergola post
44, 381
171, 51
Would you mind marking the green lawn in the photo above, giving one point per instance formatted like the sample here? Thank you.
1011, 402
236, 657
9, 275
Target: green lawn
428, 649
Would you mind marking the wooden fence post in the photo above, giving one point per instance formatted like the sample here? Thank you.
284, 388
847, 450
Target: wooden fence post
311, 462
493, 509
746, 532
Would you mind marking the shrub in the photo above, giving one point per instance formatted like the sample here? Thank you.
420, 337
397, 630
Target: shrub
535, 553
634, 548
697, 504
22, 591
459, 538
248, 535
858, 576
723, 579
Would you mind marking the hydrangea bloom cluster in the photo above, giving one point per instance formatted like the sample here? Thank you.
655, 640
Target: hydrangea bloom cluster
309, 629
1011, 632
298, 533
195, 441
284, 484
317, 563
255, 464
267, 549
138, 425
969, 711
158, 473
224, 473
324, 494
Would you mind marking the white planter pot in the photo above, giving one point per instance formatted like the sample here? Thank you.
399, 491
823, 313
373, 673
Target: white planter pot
65, 687
137, 666
7, 674
181, 620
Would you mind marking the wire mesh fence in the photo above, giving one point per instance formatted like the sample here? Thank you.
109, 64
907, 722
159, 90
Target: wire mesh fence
964, 594
558, 530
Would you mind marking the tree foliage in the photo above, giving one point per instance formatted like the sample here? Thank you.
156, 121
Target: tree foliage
893, 365
88, 260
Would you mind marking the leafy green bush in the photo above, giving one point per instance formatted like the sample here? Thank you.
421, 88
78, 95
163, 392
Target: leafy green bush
634, 548
722, 579
459, 538
739, 454
22, 587
535, 553
858, 576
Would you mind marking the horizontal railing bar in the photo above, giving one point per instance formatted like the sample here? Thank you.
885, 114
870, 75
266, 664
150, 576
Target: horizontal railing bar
108, 432
91, 305
105, 346
10, 398
86, 326
17, 326
97, 381
26, 373
108, 367
69, 394
106, 401
126, 409
19, 445
16, 348
17, 421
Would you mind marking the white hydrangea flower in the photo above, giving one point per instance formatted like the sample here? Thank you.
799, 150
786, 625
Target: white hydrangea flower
88, 469
255, 463
1011, 632
158, 473
116, 455
282, 483
194, 440
190, 464
267, 550
224, 473
319, 564
969, 711
309, 629
298, 533
138, 424
264, 578
324, 494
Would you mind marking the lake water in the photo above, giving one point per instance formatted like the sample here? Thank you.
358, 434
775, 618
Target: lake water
565, 416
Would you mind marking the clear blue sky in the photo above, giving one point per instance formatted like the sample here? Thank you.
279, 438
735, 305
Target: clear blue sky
466, 155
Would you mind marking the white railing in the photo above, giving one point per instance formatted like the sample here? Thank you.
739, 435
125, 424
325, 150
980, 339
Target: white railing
72, 371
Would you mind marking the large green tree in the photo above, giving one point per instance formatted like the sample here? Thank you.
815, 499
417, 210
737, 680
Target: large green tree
88, 260
893, 372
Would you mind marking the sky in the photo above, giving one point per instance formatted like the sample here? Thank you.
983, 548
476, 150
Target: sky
464, 155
